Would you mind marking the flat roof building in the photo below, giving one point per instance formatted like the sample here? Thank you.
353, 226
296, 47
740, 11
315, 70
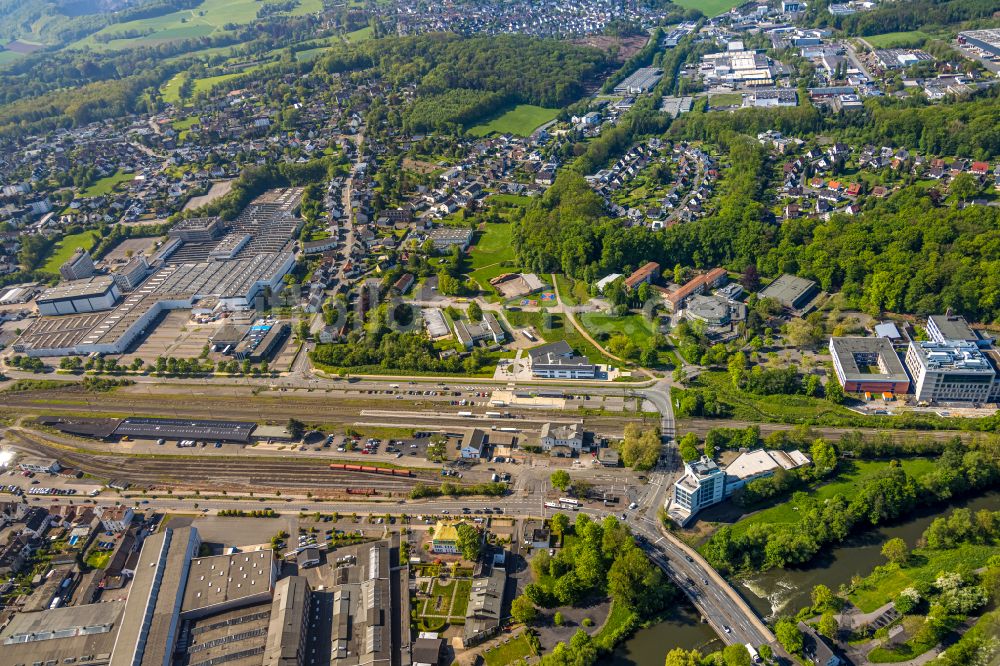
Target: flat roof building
868, 365
79, 296
444, 237
641, 81
72, 634
557, 360
987, 41
941, 328
760, 463
702, 485
791, 291
148, 427
951, 371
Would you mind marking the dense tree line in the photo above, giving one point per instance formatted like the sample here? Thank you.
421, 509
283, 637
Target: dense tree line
911, 15
567, 229
881, 498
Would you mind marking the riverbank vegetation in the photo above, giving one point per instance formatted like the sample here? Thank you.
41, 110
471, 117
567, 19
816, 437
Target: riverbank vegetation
864, 495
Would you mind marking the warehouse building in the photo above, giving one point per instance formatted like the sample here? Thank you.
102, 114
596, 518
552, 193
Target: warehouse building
988, 41
238, 277
951, 371
78, 296
641, 81
868, 365
83, 634
210, 610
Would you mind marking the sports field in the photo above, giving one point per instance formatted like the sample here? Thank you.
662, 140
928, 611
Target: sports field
65, 248
522, 120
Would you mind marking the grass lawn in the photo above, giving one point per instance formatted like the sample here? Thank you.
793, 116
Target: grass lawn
516, 199
618, 616
9, 56
171, 90
360, 35
633, 325
65, 248
486, 273
888, 580
444, 591
105, 185
461, 604
522, 120
897, 39
509, 652
98, 559
185, 123
846, 483
725, 99
492, 246
559, 329
709, 7
206, 84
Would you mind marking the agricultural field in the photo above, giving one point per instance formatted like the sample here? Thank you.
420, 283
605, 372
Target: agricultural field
65, 248
897, 39
709, 7
208, 18
522, 120
7, 56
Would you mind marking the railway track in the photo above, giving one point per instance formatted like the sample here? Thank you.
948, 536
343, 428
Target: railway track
227, 473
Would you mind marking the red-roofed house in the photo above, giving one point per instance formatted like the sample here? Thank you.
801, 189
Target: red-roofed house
980, 168
853, 190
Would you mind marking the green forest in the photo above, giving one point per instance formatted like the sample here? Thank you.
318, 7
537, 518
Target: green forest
462, 79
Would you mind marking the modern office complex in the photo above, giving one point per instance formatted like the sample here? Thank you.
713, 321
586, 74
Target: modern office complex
951, 371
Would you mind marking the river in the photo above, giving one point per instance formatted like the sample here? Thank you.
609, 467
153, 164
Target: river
783, 590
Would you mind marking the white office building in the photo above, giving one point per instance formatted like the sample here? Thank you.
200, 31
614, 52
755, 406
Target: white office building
702, 485
951, 371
